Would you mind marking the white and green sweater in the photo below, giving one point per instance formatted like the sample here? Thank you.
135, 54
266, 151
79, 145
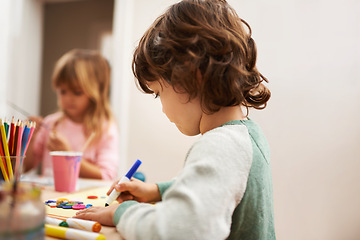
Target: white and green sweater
224, 191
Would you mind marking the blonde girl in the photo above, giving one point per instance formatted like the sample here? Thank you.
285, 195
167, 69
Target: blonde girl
81, 80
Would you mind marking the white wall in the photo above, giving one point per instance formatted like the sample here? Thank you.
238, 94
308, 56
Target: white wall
4, 46
20, 55
309, 52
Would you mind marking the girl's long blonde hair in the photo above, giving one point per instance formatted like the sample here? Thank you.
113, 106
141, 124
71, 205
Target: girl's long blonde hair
89, 71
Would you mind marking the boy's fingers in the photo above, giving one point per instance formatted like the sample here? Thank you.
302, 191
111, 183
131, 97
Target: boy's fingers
125, 186
109, 191
112, 187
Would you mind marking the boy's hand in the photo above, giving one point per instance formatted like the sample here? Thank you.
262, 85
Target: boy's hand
136, 190
102, 215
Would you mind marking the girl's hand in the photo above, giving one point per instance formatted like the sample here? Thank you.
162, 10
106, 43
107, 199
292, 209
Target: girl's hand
102, 215
136, 190
39, 122
57, 142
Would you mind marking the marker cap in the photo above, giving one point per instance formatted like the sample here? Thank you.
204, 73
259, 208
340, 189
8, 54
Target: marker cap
133, 169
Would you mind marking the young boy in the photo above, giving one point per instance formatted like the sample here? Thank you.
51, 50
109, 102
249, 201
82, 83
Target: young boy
201, 63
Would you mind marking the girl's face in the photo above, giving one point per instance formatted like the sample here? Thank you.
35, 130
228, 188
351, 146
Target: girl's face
73, 102
179, 110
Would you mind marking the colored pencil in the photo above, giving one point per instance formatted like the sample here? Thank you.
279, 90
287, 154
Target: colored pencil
6, 150
2, 154
25, 138
21, 130
15, 139
6, 126
3, 163
32, 129
11, 137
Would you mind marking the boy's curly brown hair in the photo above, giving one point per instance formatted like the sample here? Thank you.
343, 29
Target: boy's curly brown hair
205, 36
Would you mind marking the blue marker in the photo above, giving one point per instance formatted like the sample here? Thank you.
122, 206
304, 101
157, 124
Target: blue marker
115, 194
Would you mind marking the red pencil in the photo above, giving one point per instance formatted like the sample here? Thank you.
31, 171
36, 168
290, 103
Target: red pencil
11, 138
21, 130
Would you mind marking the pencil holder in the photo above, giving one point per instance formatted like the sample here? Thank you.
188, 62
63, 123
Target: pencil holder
14, 163
22, 214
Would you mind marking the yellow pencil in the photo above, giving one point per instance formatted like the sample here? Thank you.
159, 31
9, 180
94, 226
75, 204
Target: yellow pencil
3, 168
6, 150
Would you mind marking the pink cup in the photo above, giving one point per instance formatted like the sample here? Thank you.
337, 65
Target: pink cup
66, 166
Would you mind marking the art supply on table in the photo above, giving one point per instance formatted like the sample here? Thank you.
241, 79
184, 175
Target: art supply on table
115, 194
78, 196
11, 135
6, 150
66, 166
86, 225
71, 233
13, 145
3, 165
55, 221
15, 165
77, 223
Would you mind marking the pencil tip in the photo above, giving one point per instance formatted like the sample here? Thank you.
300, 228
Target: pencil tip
106, 204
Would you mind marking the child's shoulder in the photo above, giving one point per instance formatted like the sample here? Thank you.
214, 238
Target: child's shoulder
226, 135
228, 129
110, 127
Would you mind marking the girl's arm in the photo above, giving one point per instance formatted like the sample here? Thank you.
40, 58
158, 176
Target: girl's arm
89, 170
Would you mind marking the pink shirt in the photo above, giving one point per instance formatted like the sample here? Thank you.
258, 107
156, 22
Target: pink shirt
104, 153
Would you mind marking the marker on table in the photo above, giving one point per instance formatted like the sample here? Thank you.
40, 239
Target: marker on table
114, 194
86, 225
81, 224
56, 222
71, 233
